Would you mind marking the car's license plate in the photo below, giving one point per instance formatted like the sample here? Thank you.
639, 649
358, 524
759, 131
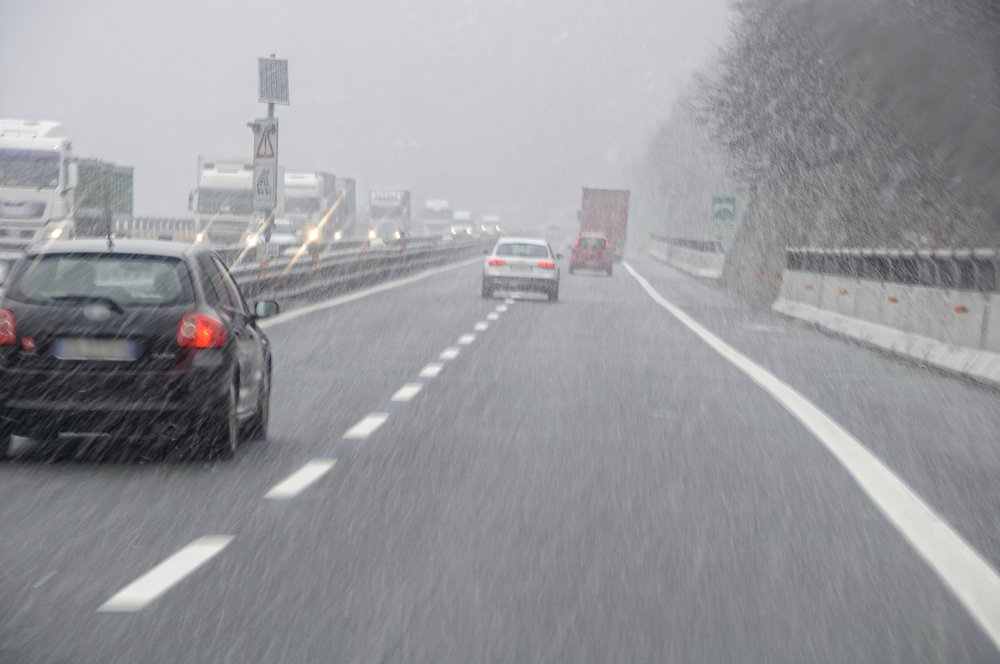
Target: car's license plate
520, 267
117, 350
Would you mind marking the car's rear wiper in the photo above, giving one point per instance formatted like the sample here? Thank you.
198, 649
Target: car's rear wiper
114, 306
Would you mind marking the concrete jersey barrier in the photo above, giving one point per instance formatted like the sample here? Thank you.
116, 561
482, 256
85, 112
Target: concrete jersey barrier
876, 297
701, 258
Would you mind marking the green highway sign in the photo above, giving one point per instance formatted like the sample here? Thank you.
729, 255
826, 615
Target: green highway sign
724, 216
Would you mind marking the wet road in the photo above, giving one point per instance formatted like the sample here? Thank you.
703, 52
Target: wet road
584, 481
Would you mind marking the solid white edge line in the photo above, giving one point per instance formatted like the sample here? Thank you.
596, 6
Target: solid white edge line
366, 426
166, 575
407, 392
973, 581
357, 295
431, 370
298, 481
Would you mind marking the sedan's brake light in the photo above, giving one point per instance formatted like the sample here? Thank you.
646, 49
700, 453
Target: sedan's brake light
497, 261
8, 329
200, 331
607, 244
547, 266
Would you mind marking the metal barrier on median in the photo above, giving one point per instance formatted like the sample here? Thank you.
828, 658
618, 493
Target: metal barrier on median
305, 274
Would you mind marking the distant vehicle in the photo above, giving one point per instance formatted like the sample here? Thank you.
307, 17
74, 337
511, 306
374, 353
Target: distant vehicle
46, 194
309, 198
461, 223
388, 213
278, 238
342, 222
591, 251
437, 218
606, 211
490, 224
223, 202
521, 264
145, 340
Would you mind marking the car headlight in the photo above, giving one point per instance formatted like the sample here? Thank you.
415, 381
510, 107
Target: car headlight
371, 234
336, 236
252, 241
199, 237
55, 233
469, 231
314, 235
398, 235
454, 232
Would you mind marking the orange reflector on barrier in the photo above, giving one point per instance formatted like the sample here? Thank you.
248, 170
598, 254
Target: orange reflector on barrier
893, 300
960, 310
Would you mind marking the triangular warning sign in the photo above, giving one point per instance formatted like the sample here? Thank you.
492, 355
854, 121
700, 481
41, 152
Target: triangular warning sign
265, 149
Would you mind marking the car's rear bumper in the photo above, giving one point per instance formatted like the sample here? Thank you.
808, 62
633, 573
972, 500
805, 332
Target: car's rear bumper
534, 284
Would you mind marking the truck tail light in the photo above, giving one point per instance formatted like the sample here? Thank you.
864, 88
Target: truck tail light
497, 261
200, 331
8, 329
547, 266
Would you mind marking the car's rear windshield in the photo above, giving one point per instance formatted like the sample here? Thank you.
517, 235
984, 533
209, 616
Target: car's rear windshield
128, 280
522, 250
592, 243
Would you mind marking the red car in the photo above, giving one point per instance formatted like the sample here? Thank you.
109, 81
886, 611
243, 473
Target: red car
592, 251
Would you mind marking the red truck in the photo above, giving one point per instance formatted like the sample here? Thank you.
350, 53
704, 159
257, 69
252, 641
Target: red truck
606, 211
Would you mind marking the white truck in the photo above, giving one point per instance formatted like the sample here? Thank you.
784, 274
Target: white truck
309, 200
437, 217
223, 202
388, 213
37, 182
462, 223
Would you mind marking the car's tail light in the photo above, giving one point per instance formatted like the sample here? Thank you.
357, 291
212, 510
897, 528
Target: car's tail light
497, 261
200, 331
606, 244
547, 266
578, 243
8, 329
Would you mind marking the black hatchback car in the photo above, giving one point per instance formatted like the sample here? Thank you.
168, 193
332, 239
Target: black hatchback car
131, 339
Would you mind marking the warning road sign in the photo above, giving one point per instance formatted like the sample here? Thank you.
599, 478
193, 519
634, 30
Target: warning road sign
265, 146
265, 164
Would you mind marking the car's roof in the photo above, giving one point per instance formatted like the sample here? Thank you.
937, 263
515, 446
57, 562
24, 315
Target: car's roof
522, 240
100, 246
593, 234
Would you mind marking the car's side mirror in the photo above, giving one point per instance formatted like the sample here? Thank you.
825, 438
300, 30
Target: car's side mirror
265, 309
486, 252
559, 256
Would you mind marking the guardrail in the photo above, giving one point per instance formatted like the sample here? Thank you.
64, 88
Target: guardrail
940, 307
963, 269
304, 275
701, 258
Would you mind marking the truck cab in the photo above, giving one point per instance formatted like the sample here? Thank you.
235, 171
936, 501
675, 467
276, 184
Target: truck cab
223, 202
38, 181
388, 213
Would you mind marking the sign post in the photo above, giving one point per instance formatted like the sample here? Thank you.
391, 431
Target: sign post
272, 88
724, 216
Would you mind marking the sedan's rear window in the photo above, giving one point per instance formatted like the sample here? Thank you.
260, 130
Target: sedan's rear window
592, 243
522, 250
128, 280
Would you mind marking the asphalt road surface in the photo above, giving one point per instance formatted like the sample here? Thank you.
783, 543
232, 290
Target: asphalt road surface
581, 481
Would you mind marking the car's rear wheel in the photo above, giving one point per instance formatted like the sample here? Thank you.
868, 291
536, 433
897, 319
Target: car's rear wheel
571, 269
609, 270
218, 433
487, 290
554, 294
256, 428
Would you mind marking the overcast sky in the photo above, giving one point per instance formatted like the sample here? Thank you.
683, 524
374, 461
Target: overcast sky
507, 105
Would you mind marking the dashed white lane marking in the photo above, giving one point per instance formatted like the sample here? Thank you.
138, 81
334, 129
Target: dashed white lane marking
449, 353
466, 339
431, 370
493, 316
480, 326
166, 575
963, 570
297, 482
502, 308
509, 300
367, 426
407, 392
357, 295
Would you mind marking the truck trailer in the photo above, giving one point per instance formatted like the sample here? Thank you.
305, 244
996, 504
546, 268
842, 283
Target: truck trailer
606, 211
